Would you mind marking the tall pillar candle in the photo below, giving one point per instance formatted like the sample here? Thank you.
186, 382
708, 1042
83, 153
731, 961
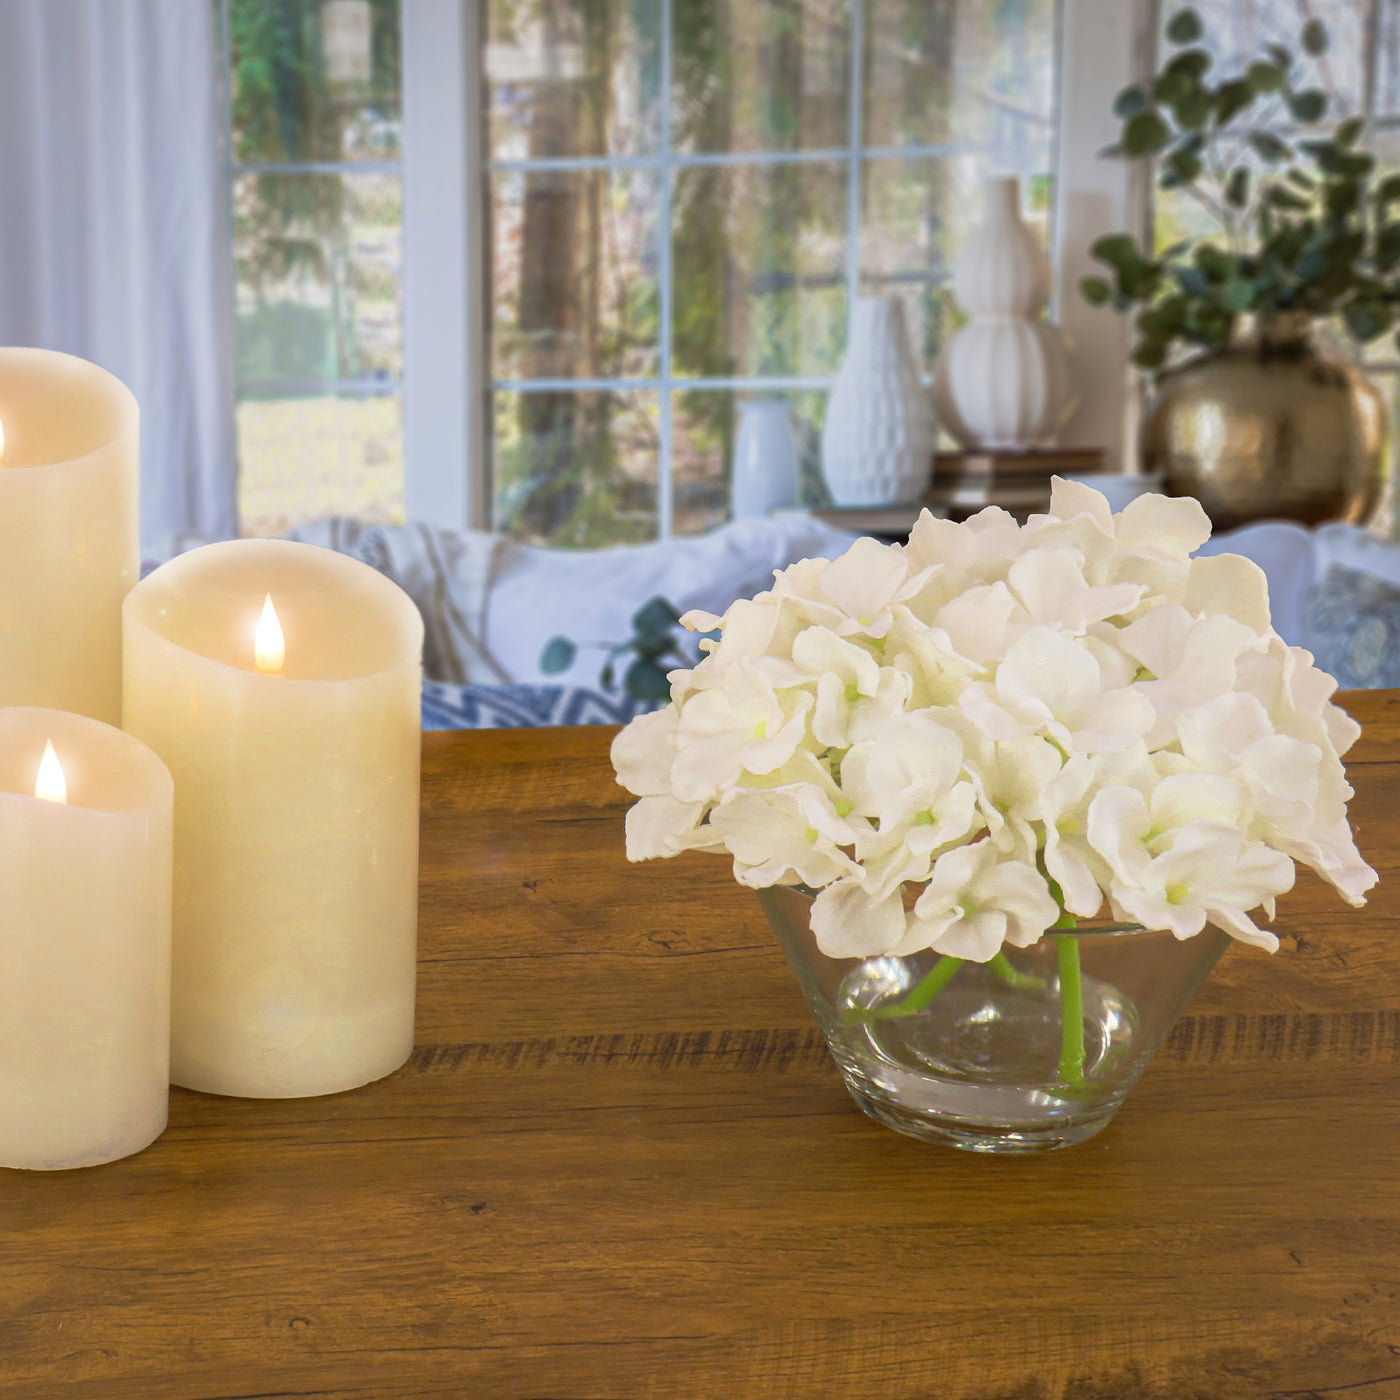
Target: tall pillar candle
69, 531
85, 854
281, 685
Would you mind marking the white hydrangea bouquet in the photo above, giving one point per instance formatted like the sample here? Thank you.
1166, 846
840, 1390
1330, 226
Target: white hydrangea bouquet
961, 743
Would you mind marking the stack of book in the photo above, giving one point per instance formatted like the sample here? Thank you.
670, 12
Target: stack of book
1017, 481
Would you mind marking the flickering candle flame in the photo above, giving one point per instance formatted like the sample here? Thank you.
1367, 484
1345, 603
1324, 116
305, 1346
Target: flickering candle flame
51, 785
269, 646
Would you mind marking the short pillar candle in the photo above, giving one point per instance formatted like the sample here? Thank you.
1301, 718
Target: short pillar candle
69, 531
281, 684
85, 880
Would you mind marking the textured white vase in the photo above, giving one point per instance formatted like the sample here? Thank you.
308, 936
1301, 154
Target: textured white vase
765, 460
877, 441
1004, 380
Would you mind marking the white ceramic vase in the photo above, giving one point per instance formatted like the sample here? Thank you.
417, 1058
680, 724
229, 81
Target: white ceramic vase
877, 441
1004, 380
765, 460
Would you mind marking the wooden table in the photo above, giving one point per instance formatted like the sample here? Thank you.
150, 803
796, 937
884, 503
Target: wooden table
621, 1166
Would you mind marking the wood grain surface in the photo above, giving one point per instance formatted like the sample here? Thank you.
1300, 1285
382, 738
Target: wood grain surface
621, 1167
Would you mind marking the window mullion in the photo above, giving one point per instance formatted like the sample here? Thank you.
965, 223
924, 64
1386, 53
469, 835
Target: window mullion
854, 136
665, 495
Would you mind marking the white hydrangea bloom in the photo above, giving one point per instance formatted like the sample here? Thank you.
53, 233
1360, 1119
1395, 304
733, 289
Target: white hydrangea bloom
975, 901
956, 740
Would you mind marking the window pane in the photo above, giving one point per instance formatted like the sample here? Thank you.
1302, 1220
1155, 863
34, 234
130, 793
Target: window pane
300, 459
754, 75
759, 256
1236, 32
574, 261
576, 469
318, 288
704, 423
315, 81
573, 77
979, 72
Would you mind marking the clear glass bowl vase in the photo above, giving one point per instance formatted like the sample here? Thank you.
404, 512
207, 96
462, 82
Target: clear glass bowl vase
1034, 1050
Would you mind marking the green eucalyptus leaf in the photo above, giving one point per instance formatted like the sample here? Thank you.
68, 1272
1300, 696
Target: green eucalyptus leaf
1270, 147
1194, 63
1309, 105
655, 618
1311, 267
1118, 250
1193, 110
558, 655
1342, 198
1296, 176
1192, 281
1095, 291
1281, 56
644, 681
1314, 37
606, 676
1283, 198
1239, 294
1185, 165
1148, 354
1129, 103
1171, 87
1213, 260
1237, 188
1346, 134
1145, 134
1139, 281
1387, 247
1184, 27
1231, 99
1265, 77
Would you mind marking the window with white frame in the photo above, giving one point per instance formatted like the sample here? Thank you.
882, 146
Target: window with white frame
526, 285
316, 172
685, 197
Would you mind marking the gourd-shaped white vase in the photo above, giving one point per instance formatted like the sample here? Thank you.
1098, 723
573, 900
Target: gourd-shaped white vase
1004, 380
877, 441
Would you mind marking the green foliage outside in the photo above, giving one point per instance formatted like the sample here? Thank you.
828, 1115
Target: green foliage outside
1302, 223
297, 228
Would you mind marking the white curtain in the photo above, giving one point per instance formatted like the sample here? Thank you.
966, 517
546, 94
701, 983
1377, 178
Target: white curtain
114, 227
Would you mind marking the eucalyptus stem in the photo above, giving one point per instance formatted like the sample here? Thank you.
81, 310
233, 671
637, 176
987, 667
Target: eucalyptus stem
929, 986
1071, 1012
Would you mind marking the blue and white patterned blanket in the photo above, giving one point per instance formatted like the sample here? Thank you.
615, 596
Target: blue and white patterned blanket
522, 706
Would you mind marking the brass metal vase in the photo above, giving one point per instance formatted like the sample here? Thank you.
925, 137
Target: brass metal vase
1267, 428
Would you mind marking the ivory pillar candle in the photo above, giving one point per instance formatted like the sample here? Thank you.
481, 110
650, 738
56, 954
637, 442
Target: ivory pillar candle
85, 852
68, 531
281, 685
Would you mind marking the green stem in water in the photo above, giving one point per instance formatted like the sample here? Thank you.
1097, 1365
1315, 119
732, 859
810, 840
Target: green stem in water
929, 986
1001, 967
1071, 1013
